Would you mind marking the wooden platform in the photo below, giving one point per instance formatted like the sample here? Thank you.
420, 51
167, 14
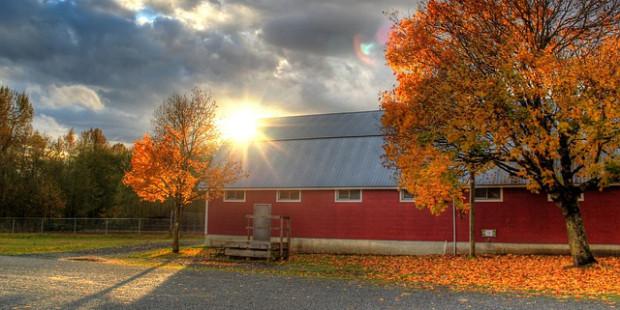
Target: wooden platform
257, 249
260, 236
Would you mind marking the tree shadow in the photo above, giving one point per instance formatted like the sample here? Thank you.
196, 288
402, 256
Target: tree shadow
93, 297
210, 280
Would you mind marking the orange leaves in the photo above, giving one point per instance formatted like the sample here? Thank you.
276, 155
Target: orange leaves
527, 274
479, 76
159, 171
181, 154
430, 179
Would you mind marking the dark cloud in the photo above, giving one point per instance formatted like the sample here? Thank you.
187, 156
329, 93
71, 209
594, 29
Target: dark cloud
322, 30
296, 55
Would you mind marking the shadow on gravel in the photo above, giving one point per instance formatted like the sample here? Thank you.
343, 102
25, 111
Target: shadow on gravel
99, 295
194, 287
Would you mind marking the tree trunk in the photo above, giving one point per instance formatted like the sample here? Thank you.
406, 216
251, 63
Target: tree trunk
171, 222
577, 239
176, 228
472, 209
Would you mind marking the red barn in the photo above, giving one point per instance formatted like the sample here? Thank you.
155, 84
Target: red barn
325, 172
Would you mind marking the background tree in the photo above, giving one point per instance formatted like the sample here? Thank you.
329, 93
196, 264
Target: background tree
180, 154
537, 82
15, 128
73, 175
15, 118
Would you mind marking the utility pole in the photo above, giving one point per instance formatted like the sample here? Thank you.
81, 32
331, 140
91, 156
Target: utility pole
472, 201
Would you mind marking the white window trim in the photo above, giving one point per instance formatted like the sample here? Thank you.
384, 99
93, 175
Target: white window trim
348, 200
288, 200
402, 198
582, 197
235, 200
501, 196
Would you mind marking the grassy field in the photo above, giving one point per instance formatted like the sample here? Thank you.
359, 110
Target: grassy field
21, 244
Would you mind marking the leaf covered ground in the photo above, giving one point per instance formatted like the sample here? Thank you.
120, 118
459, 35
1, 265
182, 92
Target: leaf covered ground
520, 274
549, 275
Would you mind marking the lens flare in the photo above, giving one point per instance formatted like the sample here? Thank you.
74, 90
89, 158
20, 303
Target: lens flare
363, 50
368, 50
383, 33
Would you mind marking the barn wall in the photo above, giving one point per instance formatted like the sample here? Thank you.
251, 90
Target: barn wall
522, 217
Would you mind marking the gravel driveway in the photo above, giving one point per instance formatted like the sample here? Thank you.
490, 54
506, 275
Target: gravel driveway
50, 283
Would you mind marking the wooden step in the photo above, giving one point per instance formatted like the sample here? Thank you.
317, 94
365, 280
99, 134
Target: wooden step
256, 245
247, 253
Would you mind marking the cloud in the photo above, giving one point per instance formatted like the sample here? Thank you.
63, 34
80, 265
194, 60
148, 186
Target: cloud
72, 96
197, 14
48, 125
109, 63
327, 31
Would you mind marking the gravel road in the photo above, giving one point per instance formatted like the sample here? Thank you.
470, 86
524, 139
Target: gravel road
59, 283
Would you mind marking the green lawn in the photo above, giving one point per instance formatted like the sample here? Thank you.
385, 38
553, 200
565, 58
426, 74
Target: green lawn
20, 244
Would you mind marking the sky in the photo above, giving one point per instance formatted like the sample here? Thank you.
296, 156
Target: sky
110, 63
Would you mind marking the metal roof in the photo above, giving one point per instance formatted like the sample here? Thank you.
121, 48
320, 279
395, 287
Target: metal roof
496, 176
316, 163
352, 124
335, 150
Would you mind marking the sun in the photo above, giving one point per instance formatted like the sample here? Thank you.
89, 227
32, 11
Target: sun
240, 126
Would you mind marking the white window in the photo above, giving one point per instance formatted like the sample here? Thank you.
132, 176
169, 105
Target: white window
348, 195
288, 196
406, 196
489, 194
234, 196
581, 198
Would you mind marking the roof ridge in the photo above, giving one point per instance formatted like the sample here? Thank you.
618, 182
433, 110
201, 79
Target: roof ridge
321, 137
320, 114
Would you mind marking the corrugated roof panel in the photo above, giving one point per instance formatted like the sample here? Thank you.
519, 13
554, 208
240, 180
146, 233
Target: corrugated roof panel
353, 124
496, 176
330, 162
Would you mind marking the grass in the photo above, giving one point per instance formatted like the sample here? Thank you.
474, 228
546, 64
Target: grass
22, 244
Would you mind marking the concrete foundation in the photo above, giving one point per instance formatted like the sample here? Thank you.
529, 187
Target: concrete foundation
393, 247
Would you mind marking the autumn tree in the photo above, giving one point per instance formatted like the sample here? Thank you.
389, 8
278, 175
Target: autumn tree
178, 161
534, 83
431, 167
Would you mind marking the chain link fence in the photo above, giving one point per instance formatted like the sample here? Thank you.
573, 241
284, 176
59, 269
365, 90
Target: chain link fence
94, 225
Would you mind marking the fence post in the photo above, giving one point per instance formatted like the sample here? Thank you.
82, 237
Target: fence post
13, 226
74, 225
106, 226
42, 224
139, 226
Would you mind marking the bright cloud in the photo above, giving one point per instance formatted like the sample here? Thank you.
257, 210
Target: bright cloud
72, 96
48, 125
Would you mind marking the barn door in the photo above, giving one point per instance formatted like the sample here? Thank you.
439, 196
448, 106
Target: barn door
262, 222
